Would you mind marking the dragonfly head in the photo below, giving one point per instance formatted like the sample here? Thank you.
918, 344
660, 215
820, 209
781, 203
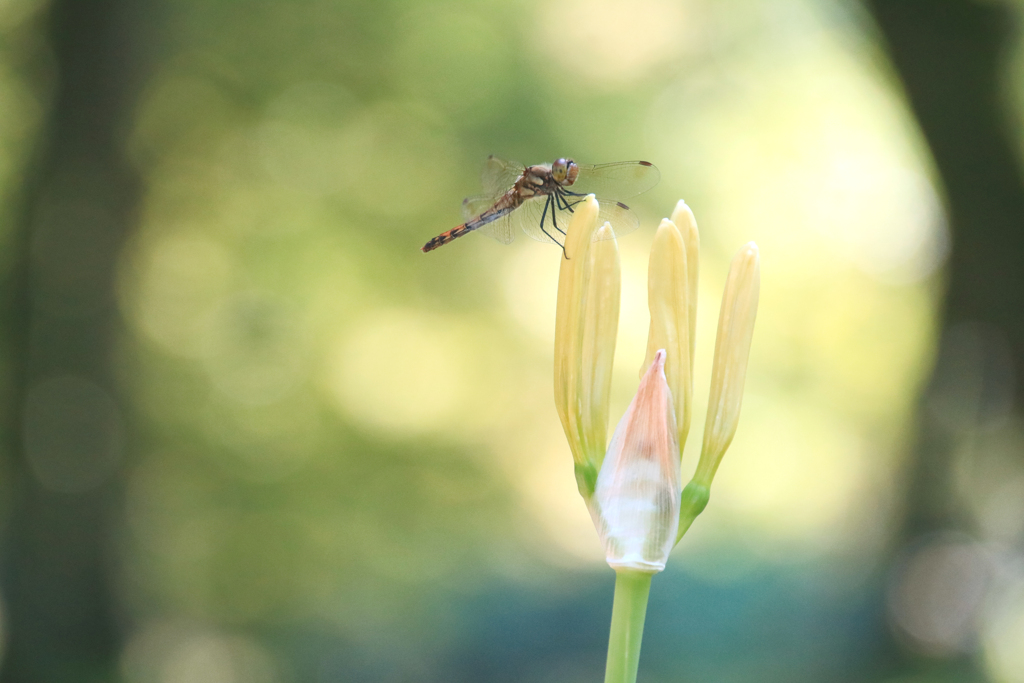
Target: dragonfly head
564, 171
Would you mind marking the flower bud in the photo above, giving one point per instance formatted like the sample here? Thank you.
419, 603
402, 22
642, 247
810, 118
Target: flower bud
586, 322
729, 368
635, 507
668, 298
684, 221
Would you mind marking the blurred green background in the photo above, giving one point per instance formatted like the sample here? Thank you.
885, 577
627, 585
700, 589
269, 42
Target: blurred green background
252, 435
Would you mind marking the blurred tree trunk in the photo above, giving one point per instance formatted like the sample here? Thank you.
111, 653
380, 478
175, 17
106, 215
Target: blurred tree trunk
949, 55
65, 429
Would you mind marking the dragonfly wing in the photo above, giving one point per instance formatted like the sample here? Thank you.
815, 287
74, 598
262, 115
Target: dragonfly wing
621, 217
528, 219
620, 180
499, 175
547, 221
504, 229
476, 205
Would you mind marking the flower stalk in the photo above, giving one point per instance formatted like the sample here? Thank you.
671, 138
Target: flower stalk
629, 610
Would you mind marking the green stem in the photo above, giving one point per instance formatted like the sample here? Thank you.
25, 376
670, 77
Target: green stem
628, 612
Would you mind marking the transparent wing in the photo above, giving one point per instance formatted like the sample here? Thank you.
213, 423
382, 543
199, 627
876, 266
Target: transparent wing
476, 205
620, 180
499, 175
526, 218
622, 218
501, 229
547, 221
542, 221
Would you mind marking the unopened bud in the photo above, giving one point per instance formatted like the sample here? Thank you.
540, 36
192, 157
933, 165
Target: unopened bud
636, 502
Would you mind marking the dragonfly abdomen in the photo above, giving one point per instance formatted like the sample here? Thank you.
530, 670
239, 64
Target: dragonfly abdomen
446, 237
503, 207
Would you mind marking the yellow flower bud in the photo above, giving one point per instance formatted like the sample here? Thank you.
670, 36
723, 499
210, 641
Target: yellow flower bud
684, 221
732, 350
668, 297
586, 322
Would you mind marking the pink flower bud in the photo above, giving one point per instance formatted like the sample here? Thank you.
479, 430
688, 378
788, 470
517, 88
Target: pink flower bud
636, 501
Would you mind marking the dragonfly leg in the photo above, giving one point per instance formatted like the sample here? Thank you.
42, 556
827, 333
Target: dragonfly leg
566, 204
562, 204
554, 222
547, 205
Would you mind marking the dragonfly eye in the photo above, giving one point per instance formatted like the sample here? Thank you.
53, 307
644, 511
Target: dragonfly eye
560, 169
571, 172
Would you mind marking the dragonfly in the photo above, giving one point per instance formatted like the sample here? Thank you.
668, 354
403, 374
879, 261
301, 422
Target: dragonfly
539, 199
